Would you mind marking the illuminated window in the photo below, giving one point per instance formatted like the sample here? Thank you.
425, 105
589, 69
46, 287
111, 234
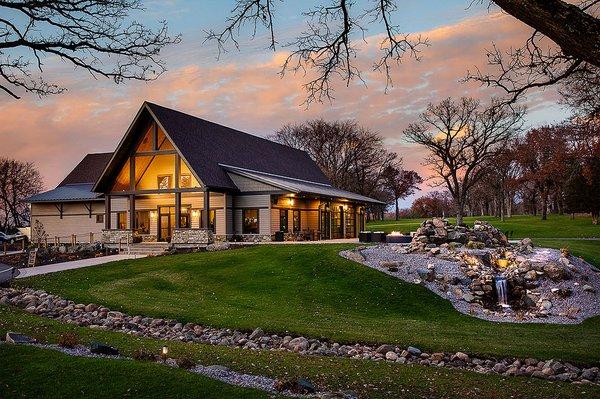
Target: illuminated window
185, 181
212, 219
164, 182
250, 221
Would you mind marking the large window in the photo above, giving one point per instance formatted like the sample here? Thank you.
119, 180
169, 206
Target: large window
283, 220
212, 219
122, 220
350, 223
297, 225
142, 222
250, 221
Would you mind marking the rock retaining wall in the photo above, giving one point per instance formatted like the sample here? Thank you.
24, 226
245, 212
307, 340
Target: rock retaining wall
114, 236
94, 316
192, 237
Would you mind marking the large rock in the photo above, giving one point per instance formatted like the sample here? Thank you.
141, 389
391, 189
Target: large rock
556, 272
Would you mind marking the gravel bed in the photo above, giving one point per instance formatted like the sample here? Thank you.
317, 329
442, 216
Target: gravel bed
584, 274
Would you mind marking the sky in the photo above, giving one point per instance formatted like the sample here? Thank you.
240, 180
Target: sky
242, 89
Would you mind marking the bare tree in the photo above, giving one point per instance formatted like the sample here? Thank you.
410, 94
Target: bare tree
401, 183
461, 137
18, 180
327, 46
564, 49
94, 35
352, 157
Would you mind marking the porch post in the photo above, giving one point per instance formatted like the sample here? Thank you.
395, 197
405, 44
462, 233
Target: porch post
177, 210
131, 212
205, 216
107, 212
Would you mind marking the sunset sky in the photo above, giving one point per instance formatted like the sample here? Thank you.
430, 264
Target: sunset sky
243, 90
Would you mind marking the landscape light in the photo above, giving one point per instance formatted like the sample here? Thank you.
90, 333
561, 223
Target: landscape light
164, 351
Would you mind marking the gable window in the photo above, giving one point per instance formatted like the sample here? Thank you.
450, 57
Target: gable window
283, 220
212, 219
296, 221
250, 221
164, 182
185, 181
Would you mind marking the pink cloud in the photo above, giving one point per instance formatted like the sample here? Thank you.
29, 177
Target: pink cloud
92, 116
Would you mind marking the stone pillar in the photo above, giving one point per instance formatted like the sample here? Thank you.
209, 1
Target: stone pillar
205, 215
177, 210
131, 212
107, 212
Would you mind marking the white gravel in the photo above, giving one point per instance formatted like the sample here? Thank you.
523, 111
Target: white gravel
585, 274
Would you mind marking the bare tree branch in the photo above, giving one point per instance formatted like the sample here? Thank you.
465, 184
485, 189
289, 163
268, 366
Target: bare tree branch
89, 34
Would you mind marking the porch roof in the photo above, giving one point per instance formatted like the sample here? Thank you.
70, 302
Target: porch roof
66, 193
299, 186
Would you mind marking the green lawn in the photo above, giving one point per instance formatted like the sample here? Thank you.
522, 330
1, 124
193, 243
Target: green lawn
310, 290
589, 250
521, 226
29, 372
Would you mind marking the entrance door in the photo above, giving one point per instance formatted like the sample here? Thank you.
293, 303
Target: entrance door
166, 222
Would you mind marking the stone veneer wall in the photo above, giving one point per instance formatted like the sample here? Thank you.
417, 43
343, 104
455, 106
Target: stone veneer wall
243, 238
192, 237
114, 236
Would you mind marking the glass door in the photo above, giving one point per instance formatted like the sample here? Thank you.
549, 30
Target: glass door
325, 224
166, 222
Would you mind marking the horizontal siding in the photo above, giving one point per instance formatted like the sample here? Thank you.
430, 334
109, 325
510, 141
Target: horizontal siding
252, 201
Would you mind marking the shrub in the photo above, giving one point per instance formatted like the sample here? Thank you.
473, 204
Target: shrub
144, 355
185, 362
68, 340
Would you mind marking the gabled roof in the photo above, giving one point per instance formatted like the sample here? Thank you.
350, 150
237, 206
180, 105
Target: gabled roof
204, 145
88, 170
77, 186
66, 193
300, 186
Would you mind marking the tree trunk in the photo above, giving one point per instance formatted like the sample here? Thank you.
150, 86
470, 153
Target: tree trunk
397, 210
544, 206
595, 218
576, 32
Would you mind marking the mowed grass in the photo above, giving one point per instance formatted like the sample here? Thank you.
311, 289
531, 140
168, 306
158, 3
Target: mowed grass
587, 249
31, 372
310, 290
521, 226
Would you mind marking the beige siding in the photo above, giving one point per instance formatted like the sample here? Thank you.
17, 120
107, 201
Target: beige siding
75, 220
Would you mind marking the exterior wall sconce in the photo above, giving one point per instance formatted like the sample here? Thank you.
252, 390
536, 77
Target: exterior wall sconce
153, 214
291, 202
195, 213
345, 207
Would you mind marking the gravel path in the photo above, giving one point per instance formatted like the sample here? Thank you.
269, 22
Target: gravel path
585, 274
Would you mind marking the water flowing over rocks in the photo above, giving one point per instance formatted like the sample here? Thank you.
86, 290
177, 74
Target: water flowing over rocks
41, 303
541, 285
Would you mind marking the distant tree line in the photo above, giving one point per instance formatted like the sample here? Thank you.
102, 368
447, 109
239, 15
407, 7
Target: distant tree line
353, 158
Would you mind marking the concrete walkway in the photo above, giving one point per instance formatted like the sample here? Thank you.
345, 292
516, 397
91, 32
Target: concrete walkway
76, 264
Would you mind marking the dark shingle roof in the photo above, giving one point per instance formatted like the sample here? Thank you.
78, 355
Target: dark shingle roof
205, 145
66, 193
88, 170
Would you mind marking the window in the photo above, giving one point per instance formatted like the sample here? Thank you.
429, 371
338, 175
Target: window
185, 181
122, 220
249, 221
283, 220
350, 219
142, 222
212, 219
164, 182
99, 218
296, 221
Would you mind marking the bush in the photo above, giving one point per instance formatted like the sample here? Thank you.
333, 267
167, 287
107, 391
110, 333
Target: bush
68, 340
144, 355
185, 362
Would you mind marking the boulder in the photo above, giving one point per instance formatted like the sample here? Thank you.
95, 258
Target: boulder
555, 271
256, 334
392, 356
414, 351
383, 349
299, 344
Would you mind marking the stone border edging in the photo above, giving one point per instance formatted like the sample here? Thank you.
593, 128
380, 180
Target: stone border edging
94, 316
